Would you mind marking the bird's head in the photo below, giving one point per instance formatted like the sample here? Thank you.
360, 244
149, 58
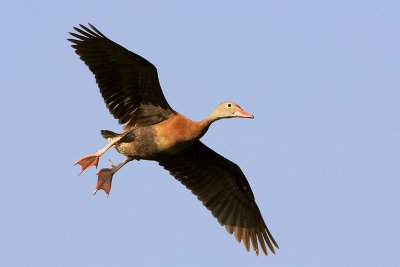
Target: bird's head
229, 109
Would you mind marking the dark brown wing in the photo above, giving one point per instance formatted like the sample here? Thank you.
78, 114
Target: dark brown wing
222, 187
128, 83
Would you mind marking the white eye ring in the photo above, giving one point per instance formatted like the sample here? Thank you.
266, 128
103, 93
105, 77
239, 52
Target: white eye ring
229, 105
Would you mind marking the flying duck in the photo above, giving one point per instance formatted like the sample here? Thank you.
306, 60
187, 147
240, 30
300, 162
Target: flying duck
131, 91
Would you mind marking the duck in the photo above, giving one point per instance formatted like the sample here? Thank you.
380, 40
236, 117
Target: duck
152, 130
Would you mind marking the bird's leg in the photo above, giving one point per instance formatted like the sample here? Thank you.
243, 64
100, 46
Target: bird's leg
93, 159
105, 176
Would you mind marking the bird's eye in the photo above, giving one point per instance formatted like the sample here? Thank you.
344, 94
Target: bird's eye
229, 105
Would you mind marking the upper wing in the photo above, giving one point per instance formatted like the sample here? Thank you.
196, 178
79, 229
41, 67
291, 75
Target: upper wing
222, 187
128, 83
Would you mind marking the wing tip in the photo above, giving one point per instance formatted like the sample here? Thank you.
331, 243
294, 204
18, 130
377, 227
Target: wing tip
254, 238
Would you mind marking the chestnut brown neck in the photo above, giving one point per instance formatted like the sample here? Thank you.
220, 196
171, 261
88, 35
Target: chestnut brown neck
206, 123
188, 129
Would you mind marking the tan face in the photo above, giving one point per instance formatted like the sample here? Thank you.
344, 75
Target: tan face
230, 109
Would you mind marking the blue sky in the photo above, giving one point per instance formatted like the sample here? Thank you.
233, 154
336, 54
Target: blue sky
322, 154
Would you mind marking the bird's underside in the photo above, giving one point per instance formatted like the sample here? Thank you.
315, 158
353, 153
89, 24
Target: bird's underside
153, 130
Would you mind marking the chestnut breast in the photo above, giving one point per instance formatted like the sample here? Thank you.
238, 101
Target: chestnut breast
177, 133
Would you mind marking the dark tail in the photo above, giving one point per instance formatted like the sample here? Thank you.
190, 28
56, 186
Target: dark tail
108, 134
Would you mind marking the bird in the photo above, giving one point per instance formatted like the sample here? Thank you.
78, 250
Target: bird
152, 130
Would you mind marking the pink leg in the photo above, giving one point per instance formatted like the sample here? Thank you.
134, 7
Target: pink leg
105, 176
93, 159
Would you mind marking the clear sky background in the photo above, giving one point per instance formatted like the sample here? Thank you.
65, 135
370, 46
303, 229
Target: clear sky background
322, 154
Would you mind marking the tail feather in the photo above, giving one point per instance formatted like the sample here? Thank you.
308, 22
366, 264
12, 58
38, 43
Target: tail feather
109, 135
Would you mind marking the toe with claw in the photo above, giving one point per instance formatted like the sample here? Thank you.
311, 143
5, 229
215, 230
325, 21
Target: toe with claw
104, 179
87, 161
